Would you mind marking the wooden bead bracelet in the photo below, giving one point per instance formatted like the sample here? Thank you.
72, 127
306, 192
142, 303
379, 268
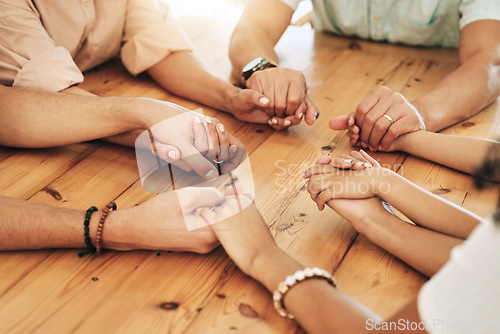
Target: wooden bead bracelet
100, 227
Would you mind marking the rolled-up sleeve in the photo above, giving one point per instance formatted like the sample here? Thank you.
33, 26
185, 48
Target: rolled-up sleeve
29, 58
477, 10
150, 35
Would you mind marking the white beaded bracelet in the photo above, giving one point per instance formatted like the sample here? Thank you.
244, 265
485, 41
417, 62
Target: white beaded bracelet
292, 280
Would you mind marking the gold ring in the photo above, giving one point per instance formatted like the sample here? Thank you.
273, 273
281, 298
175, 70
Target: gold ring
219, 162
389, 118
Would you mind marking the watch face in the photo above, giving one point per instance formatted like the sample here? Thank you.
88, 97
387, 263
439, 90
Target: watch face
252, 64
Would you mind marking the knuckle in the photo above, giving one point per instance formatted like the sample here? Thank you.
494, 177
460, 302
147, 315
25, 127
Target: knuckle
362, 109
295, 100
379, 126
392, 131
371, 118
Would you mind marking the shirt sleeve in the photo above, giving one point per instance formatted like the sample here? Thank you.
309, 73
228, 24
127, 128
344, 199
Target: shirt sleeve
28, 56
150, 35
477, 10
462, 297
293, 4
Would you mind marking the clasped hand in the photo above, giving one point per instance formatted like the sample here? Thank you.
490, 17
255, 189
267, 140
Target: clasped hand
380, 118
354, 176
192, 141
286, 91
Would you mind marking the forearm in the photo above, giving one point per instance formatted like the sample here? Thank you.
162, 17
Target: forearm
312, 302
461, 153
261, 26
247, 44
426, 209
462, 93
182, 74
425, 250
25, 225
40, 119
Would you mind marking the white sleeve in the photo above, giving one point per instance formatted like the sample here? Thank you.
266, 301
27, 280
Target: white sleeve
464, 296
293, 4
477, 10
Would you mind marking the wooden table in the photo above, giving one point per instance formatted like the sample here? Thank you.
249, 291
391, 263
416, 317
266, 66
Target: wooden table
55, 291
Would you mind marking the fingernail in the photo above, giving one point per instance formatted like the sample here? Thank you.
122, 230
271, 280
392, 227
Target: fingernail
211, 175
380, 148
287, 123
364, 145
197, 119
301, 115
274, 121
367, 165
361, 150
371, 148
221, 128
171, 155
269, 121
316, 115
359, 164
208, 119
349, 161
234, 148
264, 100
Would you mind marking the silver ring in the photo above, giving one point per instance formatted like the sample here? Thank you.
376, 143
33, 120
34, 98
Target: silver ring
211, 208
389, 118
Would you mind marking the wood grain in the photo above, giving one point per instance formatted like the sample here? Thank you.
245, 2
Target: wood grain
162, 292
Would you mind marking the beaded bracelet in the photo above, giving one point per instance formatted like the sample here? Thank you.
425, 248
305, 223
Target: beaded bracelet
100, 227
86, 231
292, 280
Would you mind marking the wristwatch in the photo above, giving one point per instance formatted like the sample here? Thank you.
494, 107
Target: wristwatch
258, 64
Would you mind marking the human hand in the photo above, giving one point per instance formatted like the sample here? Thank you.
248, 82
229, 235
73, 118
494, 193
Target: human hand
192, 141
243, 234
162, 223
286, 90
249, 105
355, 161
380, 118
355, 211
327, 182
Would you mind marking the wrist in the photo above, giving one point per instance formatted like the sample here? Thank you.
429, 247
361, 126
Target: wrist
271, 266
374, 223
383, 181
229, 93
407, 142
146, 112
127, 111
430, 117
115, 234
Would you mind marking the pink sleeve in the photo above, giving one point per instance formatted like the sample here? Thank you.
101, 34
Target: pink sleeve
150, 35
28, 56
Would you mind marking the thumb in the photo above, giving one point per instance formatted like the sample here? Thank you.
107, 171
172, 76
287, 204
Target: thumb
167, 152
192, 198
339, 122
193, 158
251, 96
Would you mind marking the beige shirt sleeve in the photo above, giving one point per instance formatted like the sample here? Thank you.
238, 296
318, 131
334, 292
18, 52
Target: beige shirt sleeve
28, 56
150, 35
